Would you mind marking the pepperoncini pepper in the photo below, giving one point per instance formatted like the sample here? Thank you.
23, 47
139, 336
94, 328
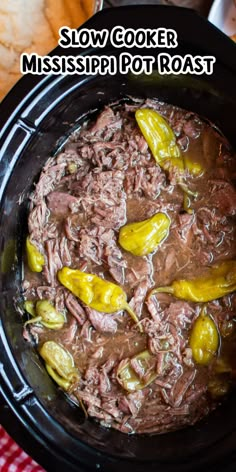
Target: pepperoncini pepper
34, 258
162, 142
45, 313
204, 339
219, 281
128, 378
143, 237
159, 136
95, 292
59, 364
194, 168
29, 306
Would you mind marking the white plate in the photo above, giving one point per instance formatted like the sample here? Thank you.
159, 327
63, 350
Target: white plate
223, 15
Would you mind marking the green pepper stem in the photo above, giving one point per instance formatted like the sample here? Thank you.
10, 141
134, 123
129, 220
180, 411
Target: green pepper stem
162, 290
33, 320
187, 203
203, 311
186, 190
133, 316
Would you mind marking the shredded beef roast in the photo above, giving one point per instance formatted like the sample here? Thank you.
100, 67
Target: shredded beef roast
105, 177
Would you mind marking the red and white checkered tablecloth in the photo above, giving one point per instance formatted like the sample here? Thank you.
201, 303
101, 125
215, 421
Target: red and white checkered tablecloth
13, 458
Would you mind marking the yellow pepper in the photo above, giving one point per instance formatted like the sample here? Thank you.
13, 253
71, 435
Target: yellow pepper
204, 339
59, 364
162, 142
194, 168
220, 280
143, 237
128, 378
159, 136
29, 306
95, 292
34, 257
45, 313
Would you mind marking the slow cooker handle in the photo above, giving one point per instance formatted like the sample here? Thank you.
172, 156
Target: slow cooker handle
12, 386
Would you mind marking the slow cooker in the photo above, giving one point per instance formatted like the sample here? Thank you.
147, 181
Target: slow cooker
35, 119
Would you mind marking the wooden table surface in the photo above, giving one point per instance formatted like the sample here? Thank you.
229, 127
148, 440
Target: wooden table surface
202, 6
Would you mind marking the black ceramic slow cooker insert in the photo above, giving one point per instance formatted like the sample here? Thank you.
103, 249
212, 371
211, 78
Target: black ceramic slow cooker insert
35, 118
